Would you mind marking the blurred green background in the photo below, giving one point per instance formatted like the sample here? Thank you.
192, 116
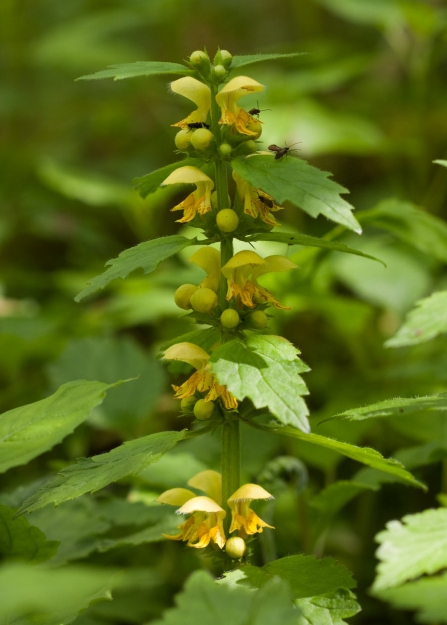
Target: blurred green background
368, 103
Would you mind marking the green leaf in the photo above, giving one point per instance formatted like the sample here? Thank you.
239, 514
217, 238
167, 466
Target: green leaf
441, 162
247, 59
328, 609
410, 224
415, 546
151, 182
29, 431
304, 239
295, 180
49, 597
140, 68
203, 602
366, 455
428, 596
394, 407
423, 323
205, 338
21, 541
151, 534
144, 256
91, 474
266, 370
306, 575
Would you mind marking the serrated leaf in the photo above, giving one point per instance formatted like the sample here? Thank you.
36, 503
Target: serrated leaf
423, 323
306, 575
205, 338
366, 455
304, 239
145, 256
305, 186
415, 546
428, 596
206, 603
151, 534
396, 407
441, 162
247, 59
140, 68
266, 370
328, 609
21, 541
30, 594
151, 182
410, 224
28, 431
91, 474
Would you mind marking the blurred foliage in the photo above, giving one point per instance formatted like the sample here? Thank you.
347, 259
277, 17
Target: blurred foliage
369, 103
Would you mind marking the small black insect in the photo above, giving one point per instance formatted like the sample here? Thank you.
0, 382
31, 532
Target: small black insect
194, 125
266, 201
280, 152
255, 111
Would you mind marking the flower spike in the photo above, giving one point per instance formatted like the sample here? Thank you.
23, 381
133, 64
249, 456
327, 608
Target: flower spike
199, 201
204, 525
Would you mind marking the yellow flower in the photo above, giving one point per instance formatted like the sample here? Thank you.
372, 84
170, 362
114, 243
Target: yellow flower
199, 201
208, 258
196, 91
242, 516
202, 380
245, 264
228, 98
257, 203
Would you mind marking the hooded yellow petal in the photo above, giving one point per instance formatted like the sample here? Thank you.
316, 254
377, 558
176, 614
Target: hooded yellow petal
275, 263
248, 492
195, 91
201, 504
235, 89
176, 496
188, 175
239, 260
187, 352
210, 482
208, 258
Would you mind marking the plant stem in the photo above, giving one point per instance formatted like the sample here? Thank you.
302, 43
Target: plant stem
226, 253
220, 167
231, 463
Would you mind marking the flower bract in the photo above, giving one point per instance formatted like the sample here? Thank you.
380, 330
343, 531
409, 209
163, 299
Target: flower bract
199, 201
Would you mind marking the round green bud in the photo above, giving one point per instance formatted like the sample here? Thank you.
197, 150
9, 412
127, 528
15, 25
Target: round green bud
187, 404
198, 58
225, 149
219, 72
201, 138
251, 146
226, 57
203, 300
256, 127
203, 409
230, 318
258, 319
235, 547
183, 139
182, 296
227, 220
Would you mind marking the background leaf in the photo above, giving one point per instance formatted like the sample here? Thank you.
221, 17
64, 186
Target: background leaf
144, 256
395, 407
295, 180
21, 541
29, 431
92, 474
425, 322
151, 182
140, 68
329, 609
240, 60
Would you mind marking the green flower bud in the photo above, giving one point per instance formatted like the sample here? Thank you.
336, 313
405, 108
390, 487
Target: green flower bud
258, 319
183, 139
187, 404
251, 145
219, 72
203, 300
182, 296
226, 57
203, 409
230, 318
225, 149
235, 547
199, 58
227, 220
201, 138
255, 127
